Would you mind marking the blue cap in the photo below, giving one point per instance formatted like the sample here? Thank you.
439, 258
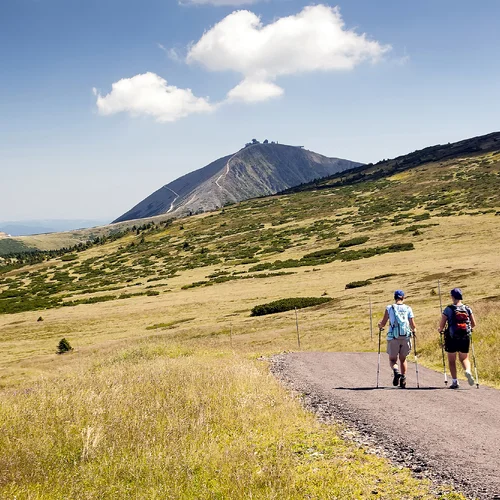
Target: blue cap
399, 294
456, 293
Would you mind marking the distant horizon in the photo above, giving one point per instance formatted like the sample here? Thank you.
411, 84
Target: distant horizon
32, 227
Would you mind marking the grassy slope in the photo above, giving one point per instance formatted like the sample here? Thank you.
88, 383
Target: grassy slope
111, 415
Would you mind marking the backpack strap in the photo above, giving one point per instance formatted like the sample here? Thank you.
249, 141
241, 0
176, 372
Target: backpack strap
395, 319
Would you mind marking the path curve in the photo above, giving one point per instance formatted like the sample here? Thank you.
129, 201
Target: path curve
225, 172
175, 199
452, 436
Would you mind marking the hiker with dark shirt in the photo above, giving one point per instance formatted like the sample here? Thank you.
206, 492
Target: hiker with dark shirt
460, 321
401, 327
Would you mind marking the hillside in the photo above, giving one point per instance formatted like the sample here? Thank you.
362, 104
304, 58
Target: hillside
168, 391
256, 170
432, 154
163, 198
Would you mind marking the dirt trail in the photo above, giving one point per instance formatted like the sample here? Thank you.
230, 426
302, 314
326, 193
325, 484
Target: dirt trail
452, 436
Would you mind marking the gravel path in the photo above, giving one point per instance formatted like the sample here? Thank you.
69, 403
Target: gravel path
451, 436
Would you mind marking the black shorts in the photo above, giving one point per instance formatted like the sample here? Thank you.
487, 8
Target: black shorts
454, 344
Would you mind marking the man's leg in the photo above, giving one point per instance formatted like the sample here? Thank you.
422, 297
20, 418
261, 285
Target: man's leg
452, 363
392, 351
403, 363
404, 350
464, 359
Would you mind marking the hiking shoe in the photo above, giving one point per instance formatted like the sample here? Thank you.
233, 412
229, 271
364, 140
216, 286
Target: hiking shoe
402, 382
470, 378
454, 385
395, 380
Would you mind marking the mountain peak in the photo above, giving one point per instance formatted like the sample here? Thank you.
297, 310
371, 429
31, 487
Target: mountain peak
258, 169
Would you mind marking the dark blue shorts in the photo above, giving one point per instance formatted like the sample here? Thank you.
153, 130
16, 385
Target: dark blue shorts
454, 344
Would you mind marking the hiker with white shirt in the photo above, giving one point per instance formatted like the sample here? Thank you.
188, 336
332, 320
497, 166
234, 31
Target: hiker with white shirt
401, 327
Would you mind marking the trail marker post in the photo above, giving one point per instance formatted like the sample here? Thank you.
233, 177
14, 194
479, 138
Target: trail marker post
371, 321
297, 325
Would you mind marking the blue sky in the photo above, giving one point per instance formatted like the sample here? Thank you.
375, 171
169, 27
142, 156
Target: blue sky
427, 72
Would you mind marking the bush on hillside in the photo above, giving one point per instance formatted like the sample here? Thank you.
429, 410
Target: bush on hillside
63, 346
359, 240
287, 304
320, 254
68, 258
357, 284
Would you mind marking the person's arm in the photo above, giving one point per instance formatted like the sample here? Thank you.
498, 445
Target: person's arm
442, 323
382, 323
413, 325
472, 320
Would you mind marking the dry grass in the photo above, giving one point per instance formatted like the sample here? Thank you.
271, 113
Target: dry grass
158, 421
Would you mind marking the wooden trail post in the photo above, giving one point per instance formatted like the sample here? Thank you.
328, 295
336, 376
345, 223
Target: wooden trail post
371, 320
297, 325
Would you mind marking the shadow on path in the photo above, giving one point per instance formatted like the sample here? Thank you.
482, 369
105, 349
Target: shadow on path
390, 389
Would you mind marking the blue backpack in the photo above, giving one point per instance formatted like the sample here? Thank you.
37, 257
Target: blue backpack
401, 326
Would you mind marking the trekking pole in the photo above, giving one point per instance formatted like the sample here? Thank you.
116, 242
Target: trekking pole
378, 364
371, 321
416, 359
441, 336
474, 360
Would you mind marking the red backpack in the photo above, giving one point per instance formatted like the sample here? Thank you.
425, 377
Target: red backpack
460, 326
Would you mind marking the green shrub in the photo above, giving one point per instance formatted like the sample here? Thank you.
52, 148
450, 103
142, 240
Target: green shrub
357, 284
69, 257
370, 252
287, 305
63, 346
359, 240
90, 300
328, 252
381, 276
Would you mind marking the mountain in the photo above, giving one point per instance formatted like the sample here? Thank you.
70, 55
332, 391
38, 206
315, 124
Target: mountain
256, 170
385, 168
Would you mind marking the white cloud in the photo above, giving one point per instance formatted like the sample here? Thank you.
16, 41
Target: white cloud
315, 39
149, 94
250, 90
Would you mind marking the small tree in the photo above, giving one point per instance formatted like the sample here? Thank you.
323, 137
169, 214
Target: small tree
63, 346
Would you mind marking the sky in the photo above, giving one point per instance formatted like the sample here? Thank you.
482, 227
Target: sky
103, 102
